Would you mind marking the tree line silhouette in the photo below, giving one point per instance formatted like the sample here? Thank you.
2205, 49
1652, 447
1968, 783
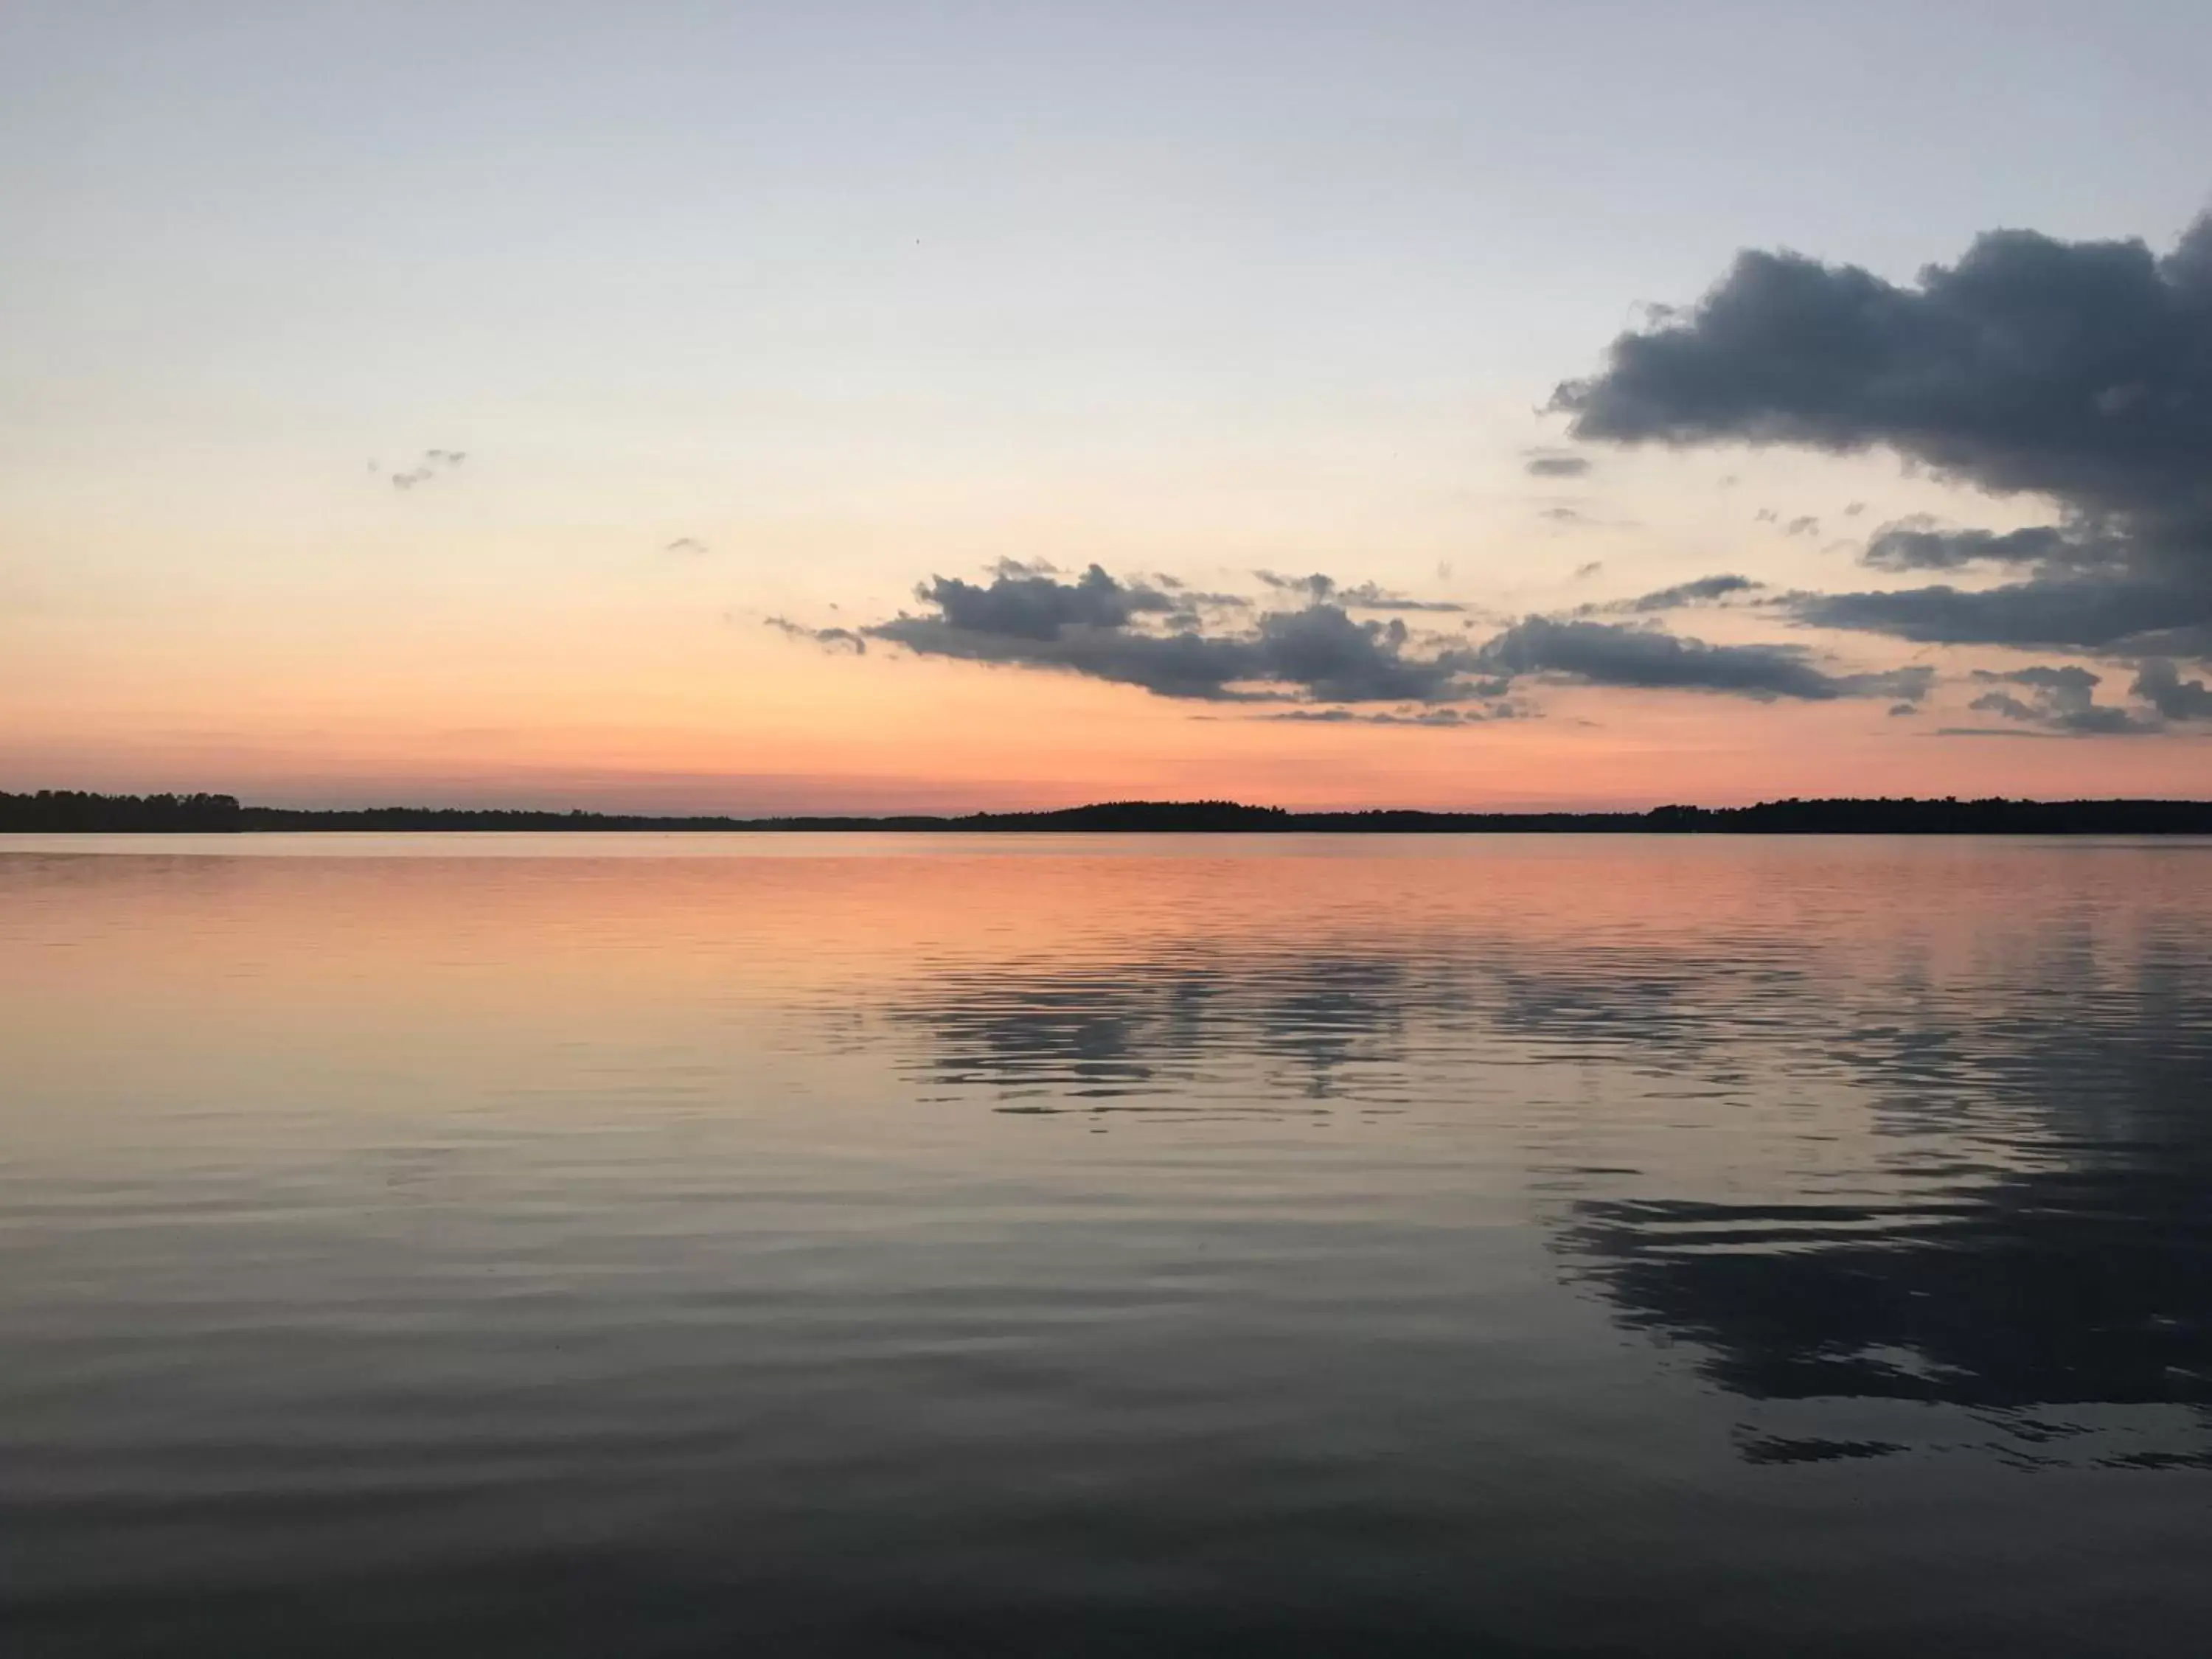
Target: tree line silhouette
65, 811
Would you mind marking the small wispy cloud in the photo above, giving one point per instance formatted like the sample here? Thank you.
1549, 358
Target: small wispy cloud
1706, 590
1435, 718
434, 463
831, 639
1356, 596
1555, 464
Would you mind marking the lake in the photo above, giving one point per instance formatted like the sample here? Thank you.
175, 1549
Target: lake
979, 1245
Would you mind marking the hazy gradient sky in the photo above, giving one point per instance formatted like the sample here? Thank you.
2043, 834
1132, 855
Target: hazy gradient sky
737, 312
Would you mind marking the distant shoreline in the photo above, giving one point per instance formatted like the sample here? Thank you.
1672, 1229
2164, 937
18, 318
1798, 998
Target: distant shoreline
69, 811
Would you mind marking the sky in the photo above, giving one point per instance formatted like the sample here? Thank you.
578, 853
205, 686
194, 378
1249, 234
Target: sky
856, 407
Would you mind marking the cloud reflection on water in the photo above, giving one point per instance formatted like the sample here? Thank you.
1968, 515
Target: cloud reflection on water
1971, 1174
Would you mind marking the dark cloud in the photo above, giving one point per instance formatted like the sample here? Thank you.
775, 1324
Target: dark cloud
1918, 543
2079, 371
1557, 464
1855, 509
2082, 613
2058, 700
2159, 685
1183, 665
1611, 654
1022, 603
1137, 635
686, 545
1706, 590
1336, 660
1805, 525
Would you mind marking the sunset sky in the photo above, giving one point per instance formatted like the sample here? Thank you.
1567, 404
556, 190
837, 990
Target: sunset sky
760, 408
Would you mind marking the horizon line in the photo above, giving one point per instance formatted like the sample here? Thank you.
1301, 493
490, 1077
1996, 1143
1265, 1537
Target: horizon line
79, 812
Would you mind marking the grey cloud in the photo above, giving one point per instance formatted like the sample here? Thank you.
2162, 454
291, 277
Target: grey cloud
2085, 613
1438, 718
835, 639
1023, 603
1193, 609
1366, 596
2003, 702
1611, 654
2077, 371
2159, 685
1557, 464
1315, 587
2059, 700
1563, 515
1918, 543
686, 545
1132, 633
1103, 628
1804, 526
434, 463
1360, 596
1184, 665
1337, 660
2193, 641
1706, 590
1583, 571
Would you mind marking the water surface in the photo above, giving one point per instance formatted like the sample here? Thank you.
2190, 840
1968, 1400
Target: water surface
673, 1245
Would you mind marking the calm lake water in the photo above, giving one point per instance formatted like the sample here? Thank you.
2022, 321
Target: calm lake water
641, 1245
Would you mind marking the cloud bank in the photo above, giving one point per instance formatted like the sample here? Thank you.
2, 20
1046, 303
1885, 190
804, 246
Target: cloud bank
1146, 634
